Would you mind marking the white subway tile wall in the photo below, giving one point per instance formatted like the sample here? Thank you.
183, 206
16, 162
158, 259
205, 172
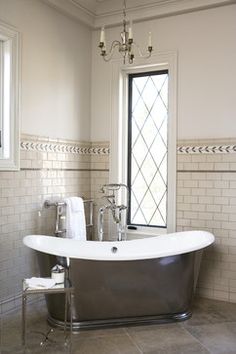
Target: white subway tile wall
49, 169
206, 200
54, 169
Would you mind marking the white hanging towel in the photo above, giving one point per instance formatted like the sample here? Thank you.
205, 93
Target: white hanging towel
75, 219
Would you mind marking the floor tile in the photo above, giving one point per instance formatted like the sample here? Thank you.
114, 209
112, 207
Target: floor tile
165, 339
94, 333
105, 345
212, 329
218, 338
206, 311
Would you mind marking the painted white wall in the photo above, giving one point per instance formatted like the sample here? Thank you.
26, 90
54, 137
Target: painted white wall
56, 68
206, 46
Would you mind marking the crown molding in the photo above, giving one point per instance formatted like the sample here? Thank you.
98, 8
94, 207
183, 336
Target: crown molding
154, 10
73, 10
111, 15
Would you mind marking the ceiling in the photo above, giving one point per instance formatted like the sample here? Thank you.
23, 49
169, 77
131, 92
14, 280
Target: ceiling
96, 13
102, 7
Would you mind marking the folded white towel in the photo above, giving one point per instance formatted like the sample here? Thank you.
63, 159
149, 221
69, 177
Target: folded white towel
75, 219
39, 283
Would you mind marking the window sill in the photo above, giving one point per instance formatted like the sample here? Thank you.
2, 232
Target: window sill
143, 232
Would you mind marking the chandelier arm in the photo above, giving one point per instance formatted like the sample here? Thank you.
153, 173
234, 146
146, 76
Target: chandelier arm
107, 56
145, 56
114, 44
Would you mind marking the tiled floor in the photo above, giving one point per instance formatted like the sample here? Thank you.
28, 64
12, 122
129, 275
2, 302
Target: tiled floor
212, 329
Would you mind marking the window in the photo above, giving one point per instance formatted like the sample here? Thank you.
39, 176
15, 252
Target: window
147, 148
9, 98
5, 79
143, 140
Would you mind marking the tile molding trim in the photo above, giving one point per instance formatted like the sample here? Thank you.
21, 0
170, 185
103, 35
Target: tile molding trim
207, 149
41, 144
99, 150
59, 147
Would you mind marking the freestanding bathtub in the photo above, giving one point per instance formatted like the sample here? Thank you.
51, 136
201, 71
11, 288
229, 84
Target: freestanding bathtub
130, 282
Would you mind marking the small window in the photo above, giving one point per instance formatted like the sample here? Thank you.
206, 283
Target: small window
5, 79
147, 148
9, 97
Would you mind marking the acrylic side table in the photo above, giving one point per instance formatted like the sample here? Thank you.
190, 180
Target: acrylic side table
65, 288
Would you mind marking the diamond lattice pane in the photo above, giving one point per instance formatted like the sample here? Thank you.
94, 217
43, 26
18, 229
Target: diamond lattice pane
159, 112
140, 150
149, 130
140, 113
160, 81
148, 99
148, 145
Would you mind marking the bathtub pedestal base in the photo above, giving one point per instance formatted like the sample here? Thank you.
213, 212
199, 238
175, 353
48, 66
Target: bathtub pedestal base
121, 293
144, 320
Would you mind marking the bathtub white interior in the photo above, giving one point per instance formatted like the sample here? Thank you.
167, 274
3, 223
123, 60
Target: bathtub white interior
146, 248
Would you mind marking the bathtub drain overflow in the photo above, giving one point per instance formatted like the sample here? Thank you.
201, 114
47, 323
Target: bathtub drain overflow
114, 249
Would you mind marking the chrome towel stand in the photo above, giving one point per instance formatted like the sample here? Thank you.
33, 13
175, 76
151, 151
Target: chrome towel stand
66, 289
59, 211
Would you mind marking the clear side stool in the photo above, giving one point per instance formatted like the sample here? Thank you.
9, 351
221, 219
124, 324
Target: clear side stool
66, 289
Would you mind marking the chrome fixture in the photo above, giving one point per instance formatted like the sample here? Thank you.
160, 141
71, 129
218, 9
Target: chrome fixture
60, 229
126, 46
118, 212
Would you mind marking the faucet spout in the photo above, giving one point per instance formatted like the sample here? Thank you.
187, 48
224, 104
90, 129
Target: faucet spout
118, 212
101, 222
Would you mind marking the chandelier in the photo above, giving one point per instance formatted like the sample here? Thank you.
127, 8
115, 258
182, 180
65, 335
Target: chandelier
126, 45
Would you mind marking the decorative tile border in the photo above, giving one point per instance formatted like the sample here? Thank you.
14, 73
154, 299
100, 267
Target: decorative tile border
99, 150
42, 144
207, 149
62, 147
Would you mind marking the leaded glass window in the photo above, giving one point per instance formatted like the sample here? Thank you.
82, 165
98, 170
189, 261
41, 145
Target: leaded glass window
147, 148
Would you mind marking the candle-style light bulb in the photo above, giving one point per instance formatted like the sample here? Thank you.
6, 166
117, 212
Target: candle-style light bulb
131, 30
102, 35
149, 39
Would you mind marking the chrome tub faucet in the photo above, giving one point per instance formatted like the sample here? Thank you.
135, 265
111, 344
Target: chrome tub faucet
112, 193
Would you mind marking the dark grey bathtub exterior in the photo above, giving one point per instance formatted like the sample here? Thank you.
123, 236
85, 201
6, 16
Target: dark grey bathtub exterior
112, 293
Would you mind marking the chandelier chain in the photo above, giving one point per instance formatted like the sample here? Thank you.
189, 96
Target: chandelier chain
126, 45
124, 9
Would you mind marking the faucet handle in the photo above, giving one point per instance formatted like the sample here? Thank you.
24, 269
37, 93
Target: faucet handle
111, 186
108, 196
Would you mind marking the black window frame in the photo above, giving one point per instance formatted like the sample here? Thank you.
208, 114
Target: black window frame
131, 76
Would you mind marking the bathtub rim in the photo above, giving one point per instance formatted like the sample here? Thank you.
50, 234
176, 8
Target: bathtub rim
56, 246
